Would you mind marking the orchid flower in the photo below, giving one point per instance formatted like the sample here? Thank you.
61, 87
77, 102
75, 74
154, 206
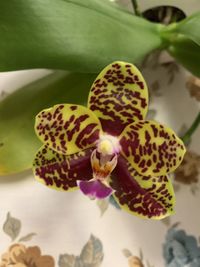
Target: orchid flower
108, 148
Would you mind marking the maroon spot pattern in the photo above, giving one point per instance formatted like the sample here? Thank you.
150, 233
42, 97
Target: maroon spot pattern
150, 202
60, 170
56, 131
121, 104
151, 154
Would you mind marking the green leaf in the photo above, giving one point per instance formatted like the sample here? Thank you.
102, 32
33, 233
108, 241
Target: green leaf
126, 252
91, 255
67, 260
27, 237
183, 42
113, 202
187, 53
102, 205
77, 35
12, 227
17, 114
190, 27
92, 252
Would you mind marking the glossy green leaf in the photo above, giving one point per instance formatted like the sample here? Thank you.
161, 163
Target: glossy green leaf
187, 53
190, 28
77, 35
182, 40
18, 141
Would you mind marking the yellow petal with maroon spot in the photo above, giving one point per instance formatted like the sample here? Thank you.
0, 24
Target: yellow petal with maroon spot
118, 97
143, 196
151, 148
67, 128
62, 172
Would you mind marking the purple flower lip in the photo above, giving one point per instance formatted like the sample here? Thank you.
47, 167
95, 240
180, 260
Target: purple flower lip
94, 189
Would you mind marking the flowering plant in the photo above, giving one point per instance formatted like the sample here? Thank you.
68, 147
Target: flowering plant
108, 148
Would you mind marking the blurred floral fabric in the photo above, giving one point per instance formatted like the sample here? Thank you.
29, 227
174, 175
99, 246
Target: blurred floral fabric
179, 250
20, 254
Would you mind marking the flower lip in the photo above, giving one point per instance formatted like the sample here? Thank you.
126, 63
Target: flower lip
108, 145
95, 189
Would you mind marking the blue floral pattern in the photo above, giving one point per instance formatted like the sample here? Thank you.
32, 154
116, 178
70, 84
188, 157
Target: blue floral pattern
181, 250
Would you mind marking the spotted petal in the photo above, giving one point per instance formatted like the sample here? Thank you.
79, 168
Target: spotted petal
144, 196
62, 172
151, 148
67, 128
118, 97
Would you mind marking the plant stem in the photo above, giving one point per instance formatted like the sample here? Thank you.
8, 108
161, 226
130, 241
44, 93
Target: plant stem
136, 8
186, 137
